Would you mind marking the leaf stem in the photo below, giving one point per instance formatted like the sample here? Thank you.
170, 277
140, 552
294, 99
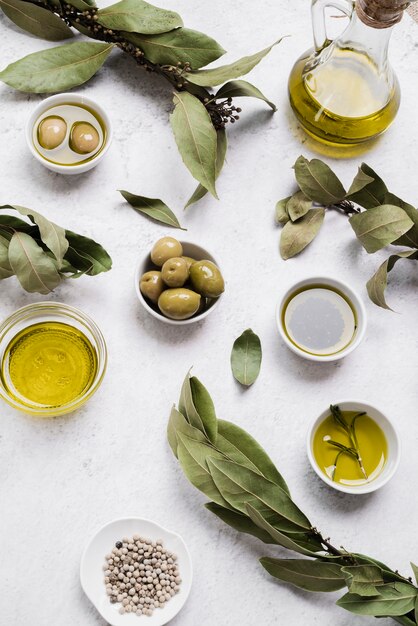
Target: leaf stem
350, 429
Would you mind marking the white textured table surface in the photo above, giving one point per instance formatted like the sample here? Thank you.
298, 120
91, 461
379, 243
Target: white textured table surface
61, 479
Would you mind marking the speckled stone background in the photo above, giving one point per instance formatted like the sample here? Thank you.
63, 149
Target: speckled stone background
61, 479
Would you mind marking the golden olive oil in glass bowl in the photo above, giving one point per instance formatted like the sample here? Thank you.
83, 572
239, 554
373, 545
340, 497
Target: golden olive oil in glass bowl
52, 359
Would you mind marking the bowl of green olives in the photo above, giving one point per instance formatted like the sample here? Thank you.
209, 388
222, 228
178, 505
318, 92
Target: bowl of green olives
178, 282
68, 133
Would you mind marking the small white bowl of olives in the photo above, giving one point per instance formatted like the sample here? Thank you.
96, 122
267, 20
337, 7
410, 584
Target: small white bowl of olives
178, 282
68, 133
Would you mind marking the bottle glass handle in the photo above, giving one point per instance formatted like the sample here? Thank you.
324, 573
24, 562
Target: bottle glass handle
318, 18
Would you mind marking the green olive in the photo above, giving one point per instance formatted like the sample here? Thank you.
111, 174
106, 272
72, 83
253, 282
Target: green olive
207, 279
164, 249
152, 285
84, 138
189, 261
179, 304
51, 132
175, 272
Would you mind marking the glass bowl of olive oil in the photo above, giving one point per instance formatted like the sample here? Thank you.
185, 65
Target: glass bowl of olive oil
52, 359
321, 319
353, 447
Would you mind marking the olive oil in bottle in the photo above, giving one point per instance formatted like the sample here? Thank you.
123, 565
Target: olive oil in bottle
49, 364
344, 92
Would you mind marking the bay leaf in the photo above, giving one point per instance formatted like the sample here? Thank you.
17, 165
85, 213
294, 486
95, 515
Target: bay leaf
248, 446
364, 580
181, 45
410, 238
152, 207
10, 223
377, 284
202, 416
193, 457
281, 214
415, 570
389, 575
298, 206
5, 267
87, 255
246, 358
278, 538
221, 148
404, 620
219, 75
318, 182
196, 138
56, 69
239, 522
296, 236
205, 408
138, 16
36, 20
52, 235
365, 192
35, 270
241, 486
380, 226
178, 423
309, 575
242, 89
393, 599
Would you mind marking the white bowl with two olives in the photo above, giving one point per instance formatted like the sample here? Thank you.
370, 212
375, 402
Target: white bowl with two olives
68, 133
178, 282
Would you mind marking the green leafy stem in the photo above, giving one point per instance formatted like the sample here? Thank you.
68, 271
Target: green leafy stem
350, 430
158, 42
378, 217
248, 493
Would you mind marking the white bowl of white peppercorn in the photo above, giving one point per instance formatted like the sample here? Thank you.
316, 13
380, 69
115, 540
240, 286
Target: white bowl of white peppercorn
168, 566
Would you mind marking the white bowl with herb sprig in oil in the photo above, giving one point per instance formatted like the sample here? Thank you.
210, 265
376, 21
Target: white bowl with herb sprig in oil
353, 447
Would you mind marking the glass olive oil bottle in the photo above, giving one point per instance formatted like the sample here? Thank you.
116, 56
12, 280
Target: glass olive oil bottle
49, 364
344, 92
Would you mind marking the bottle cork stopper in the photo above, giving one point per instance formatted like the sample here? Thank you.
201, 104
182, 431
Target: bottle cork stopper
381, 13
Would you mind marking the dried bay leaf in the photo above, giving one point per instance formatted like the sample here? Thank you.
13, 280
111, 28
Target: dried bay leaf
221, 148
410, 238
246, 358
377, 284
154, 208
35, 270
87, 255
239, 522
178, 423
241, 486
183, 44
253, 451
380, 226
240, 89
52, 235
393, 599
298, 206
315, 576
368, 189
363, 580
138, 16
318, 182
204, 407
281, 214
196, 138
219, 75
278, 537
296, 236
5, 267
56, 69
36, 20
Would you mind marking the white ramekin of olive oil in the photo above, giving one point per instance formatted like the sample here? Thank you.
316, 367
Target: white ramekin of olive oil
321, 319
68, 133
